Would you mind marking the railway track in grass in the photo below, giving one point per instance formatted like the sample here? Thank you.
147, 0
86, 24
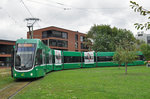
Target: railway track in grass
12, 89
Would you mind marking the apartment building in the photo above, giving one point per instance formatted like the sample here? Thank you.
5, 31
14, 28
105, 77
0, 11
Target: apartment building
61, 39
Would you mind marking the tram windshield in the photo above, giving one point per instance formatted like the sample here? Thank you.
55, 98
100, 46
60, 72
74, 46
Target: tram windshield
24, 56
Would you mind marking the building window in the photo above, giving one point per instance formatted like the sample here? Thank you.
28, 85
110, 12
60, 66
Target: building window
81, 38
58, 43
140, 34
57, 34
148, 39
83, 46
76, 45
54, 33
6, 49
5, 61
44, 34
64, 35
76, 37
65, 43
52, 42
45, 42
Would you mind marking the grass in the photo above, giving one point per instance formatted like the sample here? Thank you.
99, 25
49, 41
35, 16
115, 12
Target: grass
91, 83
5, 77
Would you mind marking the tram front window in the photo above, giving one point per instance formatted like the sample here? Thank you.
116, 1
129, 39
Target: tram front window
24, 56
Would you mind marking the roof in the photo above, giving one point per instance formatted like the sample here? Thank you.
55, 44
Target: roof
28, 40
71, 53
7, 41
58, 28
105, 53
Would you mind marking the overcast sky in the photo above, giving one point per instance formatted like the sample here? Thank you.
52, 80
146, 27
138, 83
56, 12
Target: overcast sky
76, 15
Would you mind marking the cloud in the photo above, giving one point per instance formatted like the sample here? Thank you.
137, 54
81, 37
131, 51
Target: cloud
77, 15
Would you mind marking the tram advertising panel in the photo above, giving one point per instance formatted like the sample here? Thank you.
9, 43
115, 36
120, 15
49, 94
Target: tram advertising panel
89, 57
58, 57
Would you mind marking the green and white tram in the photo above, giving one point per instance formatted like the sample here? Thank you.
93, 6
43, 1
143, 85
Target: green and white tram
33, 59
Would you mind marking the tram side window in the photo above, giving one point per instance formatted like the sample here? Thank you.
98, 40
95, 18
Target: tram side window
109, 58
72, 59
50, 59
82, 59
104, 58
53, 59
38, 60
100, 58
140, 57
94, 58
47, 59
44, 56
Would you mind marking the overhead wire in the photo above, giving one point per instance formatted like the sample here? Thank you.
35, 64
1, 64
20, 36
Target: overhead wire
26, 8
47, 4
12, 18
71, 7
29, 11
62, 4
66, 8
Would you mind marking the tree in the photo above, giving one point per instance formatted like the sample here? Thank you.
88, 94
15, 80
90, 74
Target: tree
139, 43
117, 55
88, 43
142, 11
125, 55
145, 48
104, 38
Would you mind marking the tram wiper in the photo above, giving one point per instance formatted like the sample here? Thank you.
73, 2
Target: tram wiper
18, 60
20, 68
27, 63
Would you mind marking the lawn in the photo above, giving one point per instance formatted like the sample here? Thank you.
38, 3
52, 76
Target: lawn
5, 77
91, 83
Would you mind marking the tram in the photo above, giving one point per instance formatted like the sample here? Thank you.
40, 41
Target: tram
33, 59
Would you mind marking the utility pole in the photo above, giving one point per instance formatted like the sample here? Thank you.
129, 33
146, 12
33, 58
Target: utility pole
30, 23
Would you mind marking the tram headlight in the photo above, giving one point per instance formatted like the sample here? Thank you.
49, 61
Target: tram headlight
31, 74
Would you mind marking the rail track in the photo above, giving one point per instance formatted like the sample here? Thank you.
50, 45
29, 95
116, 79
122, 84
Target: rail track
12, 89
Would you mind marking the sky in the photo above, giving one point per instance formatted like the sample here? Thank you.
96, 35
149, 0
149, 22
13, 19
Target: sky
76, 15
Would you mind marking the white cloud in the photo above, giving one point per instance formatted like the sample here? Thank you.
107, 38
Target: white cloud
79, 16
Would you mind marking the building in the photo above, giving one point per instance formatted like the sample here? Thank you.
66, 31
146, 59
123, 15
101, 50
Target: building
143, 36
61, 39
6, 50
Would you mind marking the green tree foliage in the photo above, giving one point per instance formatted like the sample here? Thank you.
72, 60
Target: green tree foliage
105, 38
137, 8
88, 42
139, 43
145, 48
116, 57
125, 54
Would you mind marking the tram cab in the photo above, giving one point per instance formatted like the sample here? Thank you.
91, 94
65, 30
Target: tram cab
29, 59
